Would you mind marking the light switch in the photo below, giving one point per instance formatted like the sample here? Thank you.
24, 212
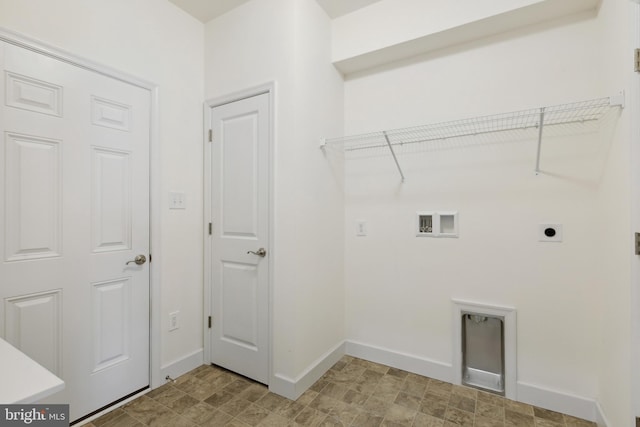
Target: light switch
177, 200
361, 228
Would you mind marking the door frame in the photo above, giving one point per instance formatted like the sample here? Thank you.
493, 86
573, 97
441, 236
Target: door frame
20, 40
269, 89
633, 99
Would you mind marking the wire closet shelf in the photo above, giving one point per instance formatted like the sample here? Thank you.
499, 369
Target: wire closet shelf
532, 120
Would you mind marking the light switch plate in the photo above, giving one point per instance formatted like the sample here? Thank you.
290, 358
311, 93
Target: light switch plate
174, 320
361, 228
177, 200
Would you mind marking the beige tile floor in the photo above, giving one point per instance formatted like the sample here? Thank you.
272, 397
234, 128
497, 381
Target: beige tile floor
354, 392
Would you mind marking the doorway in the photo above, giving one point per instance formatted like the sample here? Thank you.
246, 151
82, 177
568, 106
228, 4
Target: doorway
74, 222
238, 222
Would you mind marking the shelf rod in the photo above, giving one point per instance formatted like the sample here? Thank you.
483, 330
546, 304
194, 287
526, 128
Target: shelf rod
393, 153
540, 140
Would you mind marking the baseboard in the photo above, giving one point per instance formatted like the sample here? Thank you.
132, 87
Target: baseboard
292, 388
553, 400
576, 406
408, 362
601, 419
183, 365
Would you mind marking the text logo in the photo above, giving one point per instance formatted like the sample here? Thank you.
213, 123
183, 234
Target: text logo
34, 415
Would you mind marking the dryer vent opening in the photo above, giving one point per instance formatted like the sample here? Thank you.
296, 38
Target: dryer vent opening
483, 352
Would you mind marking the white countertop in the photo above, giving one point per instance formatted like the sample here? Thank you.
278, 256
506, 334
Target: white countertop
22, 380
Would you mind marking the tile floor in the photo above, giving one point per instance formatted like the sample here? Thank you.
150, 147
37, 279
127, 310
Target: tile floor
353, 392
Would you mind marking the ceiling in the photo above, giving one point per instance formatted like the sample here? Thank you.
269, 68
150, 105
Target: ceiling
206, 10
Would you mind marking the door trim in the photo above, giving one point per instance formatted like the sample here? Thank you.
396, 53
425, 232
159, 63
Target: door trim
269, 89
634, 103
42, 48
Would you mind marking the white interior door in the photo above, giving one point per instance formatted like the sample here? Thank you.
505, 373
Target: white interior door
239, 264
74, 209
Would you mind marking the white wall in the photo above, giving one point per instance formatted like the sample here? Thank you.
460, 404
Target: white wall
614, 376
155, 41
288, 42
318, 200
399, 287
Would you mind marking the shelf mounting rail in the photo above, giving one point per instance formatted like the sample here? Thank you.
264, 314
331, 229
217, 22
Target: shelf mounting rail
575, 113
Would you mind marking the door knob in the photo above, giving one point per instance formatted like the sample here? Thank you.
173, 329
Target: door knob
260, 252
140, 259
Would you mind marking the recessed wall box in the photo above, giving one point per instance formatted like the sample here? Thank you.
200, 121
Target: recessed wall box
449, 224
425, 223
483, 352
436, 224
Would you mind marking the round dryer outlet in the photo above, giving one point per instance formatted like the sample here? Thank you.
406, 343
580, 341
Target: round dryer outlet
550, 233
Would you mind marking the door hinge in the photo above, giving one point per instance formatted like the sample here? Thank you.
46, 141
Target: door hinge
636, 62
210, 322
210, 135
210, 229
150, 258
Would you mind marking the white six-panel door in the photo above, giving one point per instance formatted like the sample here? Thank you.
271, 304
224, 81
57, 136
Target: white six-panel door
74, 208
239, 196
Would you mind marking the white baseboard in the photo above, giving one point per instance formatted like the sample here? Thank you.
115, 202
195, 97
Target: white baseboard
408, 362
542, 397
566, 403
292, 388
601, 419
553, 400
183, 365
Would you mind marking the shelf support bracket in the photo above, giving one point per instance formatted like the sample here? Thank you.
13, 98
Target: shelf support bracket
540, 128
393, 153
617, 100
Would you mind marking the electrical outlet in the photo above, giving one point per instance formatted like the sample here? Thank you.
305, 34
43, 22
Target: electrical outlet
173, 321
550, 232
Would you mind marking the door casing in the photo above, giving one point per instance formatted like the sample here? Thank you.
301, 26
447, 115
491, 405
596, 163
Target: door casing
634, 104
270, 89
154, 190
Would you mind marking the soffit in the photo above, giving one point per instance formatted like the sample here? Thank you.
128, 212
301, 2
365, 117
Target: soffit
206, 10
